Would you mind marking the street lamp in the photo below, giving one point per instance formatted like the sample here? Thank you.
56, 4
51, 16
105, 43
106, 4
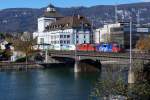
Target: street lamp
130, 43
131, 72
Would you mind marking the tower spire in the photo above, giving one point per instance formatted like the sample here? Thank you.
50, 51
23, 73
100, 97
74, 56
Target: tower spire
51, 7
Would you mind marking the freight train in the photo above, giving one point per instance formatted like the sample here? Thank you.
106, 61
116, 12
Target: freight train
103, 47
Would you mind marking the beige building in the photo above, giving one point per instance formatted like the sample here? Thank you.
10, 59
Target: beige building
110, 33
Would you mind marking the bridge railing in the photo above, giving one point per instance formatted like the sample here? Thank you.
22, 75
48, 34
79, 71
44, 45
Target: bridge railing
102, 54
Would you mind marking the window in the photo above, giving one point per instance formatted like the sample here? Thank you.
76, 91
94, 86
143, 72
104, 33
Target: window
57, 42
61, 41
41, 40
55, 37
61, 36
51, 37
68, 36
64, 36
64, 42
68, 42
84, 36
77, 36
77, 41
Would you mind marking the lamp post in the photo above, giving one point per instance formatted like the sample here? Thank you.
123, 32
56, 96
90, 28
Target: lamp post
130, 43
131, 72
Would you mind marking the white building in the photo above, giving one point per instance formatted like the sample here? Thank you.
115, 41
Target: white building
59, 30
4, 44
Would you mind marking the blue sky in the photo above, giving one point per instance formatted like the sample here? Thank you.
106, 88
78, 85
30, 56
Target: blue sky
60, 3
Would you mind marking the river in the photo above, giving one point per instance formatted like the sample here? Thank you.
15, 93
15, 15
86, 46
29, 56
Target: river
48, 84
58, 83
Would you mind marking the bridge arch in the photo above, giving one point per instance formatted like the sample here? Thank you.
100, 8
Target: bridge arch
87, 65
81, 65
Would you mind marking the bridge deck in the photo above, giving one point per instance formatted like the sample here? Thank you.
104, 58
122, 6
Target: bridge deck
142, 56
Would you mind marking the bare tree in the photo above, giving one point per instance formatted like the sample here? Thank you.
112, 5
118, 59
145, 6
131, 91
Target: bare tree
24, 45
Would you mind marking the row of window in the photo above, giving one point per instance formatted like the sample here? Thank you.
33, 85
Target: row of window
82, 25
78, 42
78, 36
83, 31
61, 36
64, 36
59, 26
61, 42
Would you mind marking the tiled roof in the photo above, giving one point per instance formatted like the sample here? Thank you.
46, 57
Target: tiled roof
70, 22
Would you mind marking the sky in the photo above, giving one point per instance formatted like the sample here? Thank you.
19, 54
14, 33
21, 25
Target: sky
60, 3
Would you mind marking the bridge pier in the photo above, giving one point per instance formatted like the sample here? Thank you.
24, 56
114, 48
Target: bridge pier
76, 67
131, 77
86, 65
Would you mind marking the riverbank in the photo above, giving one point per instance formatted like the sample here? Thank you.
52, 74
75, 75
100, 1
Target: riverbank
19, 66
25, 66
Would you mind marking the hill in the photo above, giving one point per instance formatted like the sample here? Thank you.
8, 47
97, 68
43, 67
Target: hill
25, 19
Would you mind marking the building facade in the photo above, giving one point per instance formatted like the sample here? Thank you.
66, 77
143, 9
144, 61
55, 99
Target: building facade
110, 33
120, 33
59, 30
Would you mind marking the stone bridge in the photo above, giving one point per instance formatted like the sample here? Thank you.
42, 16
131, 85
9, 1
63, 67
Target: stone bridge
96, 59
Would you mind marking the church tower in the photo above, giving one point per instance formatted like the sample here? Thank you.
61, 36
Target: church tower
50, 15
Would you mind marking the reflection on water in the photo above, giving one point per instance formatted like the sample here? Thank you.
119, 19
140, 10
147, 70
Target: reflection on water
57, 84
50, 84
112, 85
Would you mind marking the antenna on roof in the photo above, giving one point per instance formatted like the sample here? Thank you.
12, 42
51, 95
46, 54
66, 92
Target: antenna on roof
116, 15
138, 18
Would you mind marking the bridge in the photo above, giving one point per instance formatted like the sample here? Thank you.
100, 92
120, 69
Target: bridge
99, 58
138, 59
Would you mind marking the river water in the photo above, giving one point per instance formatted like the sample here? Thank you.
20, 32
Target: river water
57, 83
48, 84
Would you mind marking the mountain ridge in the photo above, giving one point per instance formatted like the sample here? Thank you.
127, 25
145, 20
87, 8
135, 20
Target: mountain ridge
25, 19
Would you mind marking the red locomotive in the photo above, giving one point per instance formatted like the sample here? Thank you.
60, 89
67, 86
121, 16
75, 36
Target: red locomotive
103, 47
86, 47
116, 48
